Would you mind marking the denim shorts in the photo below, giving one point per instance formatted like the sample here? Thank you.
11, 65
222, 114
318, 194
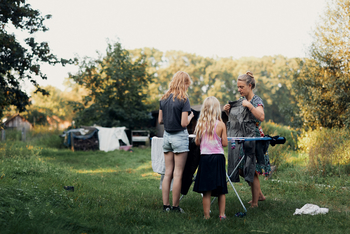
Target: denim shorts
176, 142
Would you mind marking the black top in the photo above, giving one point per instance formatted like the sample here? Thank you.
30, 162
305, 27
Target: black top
172, 111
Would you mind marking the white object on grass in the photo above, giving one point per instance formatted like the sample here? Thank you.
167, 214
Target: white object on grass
311, 209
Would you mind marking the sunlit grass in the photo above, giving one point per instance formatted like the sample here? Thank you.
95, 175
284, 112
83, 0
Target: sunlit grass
118, 192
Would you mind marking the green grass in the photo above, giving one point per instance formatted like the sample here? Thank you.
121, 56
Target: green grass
117, 192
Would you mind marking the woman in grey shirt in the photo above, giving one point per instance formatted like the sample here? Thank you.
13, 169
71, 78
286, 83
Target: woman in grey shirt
175, 113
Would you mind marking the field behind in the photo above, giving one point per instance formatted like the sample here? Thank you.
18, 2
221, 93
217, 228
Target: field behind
117, 192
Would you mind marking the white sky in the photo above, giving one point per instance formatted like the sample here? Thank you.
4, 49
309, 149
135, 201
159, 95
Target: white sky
223, 28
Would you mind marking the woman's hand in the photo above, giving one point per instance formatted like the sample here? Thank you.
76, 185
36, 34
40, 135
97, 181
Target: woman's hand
247, 104
190, 117
227, 109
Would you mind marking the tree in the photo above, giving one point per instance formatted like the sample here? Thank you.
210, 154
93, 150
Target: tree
217, 77
115, 83
154, 59
54, 105
20, 61
323, 80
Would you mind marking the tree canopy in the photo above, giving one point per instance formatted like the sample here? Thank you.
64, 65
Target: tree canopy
323, 80
116, 85
21, 60
217, 77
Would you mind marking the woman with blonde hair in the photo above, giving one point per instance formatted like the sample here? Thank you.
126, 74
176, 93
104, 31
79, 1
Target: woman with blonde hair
211, 176
175, 113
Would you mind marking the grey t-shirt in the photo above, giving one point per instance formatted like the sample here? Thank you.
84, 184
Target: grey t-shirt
172, 111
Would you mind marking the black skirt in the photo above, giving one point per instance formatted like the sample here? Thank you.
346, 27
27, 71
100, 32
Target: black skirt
211, 175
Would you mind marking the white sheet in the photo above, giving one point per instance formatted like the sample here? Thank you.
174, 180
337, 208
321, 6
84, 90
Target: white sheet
157, 155
311, 209
109, 138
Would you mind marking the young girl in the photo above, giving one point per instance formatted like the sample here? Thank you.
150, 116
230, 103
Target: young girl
212, 137
175, 112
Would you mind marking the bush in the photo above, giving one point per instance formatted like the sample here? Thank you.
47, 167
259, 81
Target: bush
328, 150
18, 149
12, 134
46, 138
279, 153
291, 135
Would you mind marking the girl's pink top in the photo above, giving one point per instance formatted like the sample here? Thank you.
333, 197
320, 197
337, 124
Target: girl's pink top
213, 145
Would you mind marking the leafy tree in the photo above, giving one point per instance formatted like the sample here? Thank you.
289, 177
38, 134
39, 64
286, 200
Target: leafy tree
21, 61
35, 116
323, 80
154, 59
54, 105
115, 83
217, 77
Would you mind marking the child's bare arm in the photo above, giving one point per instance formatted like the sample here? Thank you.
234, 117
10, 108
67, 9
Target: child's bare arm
198, 141
223, 134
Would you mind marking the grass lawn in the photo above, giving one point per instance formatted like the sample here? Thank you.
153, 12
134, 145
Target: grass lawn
117, 192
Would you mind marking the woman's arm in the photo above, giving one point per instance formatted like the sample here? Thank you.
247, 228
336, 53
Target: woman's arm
258, 111
186, 119
160, 117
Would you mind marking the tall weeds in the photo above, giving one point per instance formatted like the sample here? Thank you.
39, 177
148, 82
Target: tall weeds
40, 136
328, 151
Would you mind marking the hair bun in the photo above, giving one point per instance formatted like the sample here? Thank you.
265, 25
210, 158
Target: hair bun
249, 73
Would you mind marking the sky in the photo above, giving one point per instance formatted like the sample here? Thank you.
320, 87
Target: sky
210, 28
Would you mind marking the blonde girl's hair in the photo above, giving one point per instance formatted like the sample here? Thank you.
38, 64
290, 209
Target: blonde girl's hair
178, 86
248, 78
210, 113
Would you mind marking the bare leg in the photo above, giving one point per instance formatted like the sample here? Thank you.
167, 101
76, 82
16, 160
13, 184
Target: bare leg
222, 204
180, 162
240, 172
255, 190
261, 196
169, 168
206, 204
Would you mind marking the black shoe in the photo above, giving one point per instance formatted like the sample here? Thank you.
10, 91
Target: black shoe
166, 208
177, 209
69, 188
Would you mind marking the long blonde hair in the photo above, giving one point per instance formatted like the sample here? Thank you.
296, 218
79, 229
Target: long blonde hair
178, 86
210, 112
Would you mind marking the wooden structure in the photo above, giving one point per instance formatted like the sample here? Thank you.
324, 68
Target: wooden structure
19, 122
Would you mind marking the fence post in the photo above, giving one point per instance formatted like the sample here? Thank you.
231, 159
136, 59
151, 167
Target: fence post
72, 141
3, 136
23, 134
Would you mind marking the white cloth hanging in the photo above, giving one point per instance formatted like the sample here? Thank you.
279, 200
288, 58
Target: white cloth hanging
157, 155
109, 138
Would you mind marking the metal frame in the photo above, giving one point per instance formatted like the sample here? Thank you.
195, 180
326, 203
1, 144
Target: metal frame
240, 140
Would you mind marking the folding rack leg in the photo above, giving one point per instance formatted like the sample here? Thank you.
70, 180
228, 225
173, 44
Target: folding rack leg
236, 193
229, 180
